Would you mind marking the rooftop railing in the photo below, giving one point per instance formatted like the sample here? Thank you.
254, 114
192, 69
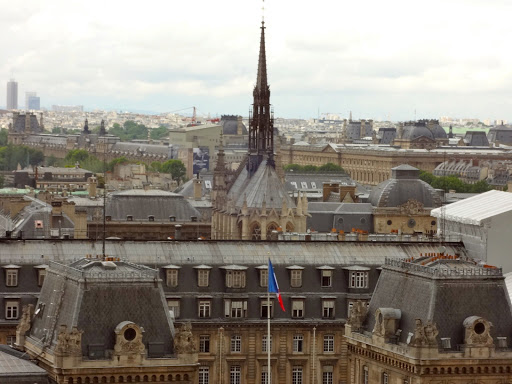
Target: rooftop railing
445, 271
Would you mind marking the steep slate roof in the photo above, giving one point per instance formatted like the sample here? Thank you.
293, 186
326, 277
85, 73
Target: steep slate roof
15, 367
110, 296
442, 293
265, 184
477, 209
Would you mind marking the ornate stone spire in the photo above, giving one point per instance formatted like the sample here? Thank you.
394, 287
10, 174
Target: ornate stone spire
261, 124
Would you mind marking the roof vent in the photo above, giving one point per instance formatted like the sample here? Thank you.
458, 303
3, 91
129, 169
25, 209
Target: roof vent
172, 218
502, 342
151, 218
446, 342
193, 218
109, 265
129, 218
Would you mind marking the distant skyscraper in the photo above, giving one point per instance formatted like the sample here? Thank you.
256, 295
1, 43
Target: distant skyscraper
33, 102
27, 96
12, 94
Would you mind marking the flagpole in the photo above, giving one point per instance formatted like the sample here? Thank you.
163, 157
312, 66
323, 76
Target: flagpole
268, 336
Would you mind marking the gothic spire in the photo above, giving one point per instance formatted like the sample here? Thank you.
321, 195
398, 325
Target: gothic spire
261, 79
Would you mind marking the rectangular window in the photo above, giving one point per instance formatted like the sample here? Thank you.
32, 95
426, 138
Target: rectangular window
41, 274
204, 343
11, 339
296, 278
298, 341
326, 278
365, 375
236, 343
298, 309
204, 375
235, 308
263, 277
328, 343
297, 375
172, 277
235, 375
174, 308
265, 307
11, 279
328, 309
327, 374
203, 277
12, 309
264, 344
385, 378
204, 308
358, 279
235, 279
264, 375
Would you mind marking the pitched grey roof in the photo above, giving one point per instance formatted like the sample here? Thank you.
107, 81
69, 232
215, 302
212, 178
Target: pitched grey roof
264, 185
141, 203
12, 367
97, 306
447, 298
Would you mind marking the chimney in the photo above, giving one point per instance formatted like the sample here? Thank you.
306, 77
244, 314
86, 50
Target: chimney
177, 232
92, 183
328, 188
198, 188
239, 125
27, 122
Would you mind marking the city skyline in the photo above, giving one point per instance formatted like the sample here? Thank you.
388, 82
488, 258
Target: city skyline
379, 60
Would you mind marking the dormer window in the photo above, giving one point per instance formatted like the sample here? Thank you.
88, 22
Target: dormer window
263, 275
41, 274
295, 276
326, 273
171, 275
11, 275
235, 276
203, 275
358, 276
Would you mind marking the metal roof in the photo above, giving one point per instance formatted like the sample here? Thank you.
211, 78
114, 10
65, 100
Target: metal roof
477, 209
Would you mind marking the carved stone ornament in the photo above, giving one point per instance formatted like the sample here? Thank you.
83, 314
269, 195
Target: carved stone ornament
478, 332
69, 343
128, 339
424, 335
184, 341
357, 315
411, 207
26, 319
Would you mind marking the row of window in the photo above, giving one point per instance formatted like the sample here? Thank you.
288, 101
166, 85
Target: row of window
384, 377
237, 308
236, 343
235, 375
12, 275
237, 278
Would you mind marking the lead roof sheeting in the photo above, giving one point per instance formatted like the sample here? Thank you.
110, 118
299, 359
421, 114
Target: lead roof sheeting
10, 365
477, 209
220, 252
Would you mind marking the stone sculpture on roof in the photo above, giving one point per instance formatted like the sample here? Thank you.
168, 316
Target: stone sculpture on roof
424, 335
184, 340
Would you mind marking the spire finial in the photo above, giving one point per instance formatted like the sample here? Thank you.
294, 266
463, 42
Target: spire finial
263, 12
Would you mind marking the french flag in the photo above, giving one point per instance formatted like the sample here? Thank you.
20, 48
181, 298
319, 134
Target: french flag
272, 284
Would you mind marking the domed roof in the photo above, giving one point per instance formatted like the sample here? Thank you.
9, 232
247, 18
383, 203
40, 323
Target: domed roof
438, 132
412, 132
403, 186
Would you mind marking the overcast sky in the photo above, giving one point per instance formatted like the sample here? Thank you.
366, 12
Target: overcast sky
379, 59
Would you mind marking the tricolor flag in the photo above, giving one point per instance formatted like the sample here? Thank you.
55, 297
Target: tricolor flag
272, 284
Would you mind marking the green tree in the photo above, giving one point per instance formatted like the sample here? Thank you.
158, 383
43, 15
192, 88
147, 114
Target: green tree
310, 168
51, 161
156, 166
330, 167
56, 130
159, 133
118, 160
3, 137
293, 167
76, 155
176, 168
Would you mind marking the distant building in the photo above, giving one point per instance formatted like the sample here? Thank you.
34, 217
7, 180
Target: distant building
28, 95
67, 108
53, 178
12, 94
34, 103
500, 134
